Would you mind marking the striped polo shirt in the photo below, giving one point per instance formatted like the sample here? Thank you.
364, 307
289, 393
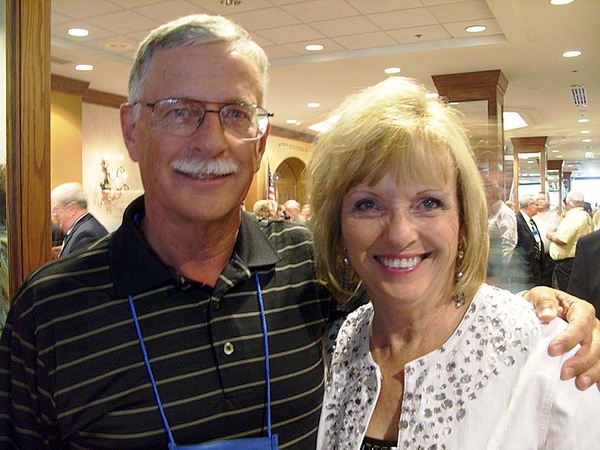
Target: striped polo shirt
72, 374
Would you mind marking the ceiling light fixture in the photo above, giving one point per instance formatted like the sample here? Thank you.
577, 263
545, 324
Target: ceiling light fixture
513, 120
475, 28
231, 2
291, 121
313, 105
585, 131
84, 67
314, 47
560, 2
586, 140
583, 120
78, 32
392, 70
572, 54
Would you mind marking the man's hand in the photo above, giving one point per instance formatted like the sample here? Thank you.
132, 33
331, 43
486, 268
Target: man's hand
583, 329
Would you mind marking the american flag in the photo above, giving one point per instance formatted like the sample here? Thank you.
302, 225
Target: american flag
271, 188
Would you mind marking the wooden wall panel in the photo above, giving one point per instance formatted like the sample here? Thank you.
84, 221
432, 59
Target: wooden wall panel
28, 136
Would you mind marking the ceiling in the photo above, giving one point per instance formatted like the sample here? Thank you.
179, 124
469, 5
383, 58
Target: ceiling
525, 39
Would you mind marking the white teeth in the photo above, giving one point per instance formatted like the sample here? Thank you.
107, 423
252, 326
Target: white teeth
205, 168
403, 263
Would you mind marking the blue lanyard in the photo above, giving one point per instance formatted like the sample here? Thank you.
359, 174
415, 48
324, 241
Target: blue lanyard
151, 375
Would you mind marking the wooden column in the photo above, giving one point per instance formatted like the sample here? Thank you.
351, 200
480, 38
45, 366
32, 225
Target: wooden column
490, 86
536, 144
28, 136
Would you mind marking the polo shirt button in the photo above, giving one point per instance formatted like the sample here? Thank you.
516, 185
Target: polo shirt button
228, 348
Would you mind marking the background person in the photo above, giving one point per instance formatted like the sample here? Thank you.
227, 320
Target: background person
547, 221
527, 261
263, 209
502, 232
437, 357
292, 208
563, 242
584, 281
70, 211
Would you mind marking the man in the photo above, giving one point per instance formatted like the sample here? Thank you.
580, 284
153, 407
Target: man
563, 243
526, 263
293, 208
70, 211
585, 276
229, 313
547, 220
502, 228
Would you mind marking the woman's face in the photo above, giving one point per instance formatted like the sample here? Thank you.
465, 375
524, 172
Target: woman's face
402, 238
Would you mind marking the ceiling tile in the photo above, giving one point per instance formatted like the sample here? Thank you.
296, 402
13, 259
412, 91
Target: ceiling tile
320, 10
170, 10
263, 19
345, 27
371, 7
457, 29
457, 12
293, 33
83, 8
427, 33
329, 44
215, 6
124, 19
403, 19
367, 40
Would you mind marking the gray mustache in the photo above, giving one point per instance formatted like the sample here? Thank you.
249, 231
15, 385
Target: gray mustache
202, 167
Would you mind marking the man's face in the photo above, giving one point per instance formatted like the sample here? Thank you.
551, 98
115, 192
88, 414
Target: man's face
542, 203
205, 176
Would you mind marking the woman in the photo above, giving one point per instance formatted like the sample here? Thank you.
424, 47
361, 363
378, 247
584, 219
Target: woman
437, 358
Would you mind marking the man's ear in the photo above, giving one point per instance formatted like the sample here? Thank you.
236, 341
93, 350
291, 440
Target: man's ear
128, 124
262, 146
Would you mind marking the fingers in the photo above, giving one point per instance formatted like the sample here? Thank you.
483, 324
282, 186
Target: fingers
545, 301
582, 321
590, 373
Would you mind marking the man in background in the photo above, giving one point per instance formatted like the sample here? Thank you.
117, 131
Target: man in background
585, 276
502, 227
527, 264
70, 211
293, 208
547, 221
563, 243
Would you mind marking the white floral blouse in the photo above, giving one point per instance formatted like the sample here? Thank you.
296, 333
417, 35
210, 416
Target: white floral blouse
492, 385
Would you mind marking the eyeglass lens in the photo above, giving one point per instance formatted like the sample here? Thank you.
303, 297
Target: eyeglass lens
183, 117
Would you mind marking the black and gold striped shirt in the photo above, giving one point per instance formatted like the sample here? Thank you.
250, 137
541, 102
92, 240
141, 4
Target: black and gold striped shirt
72, 375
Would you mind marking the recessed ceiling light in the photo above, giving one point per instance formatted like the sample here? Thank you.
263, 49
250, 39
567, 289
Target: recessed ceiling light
560, 2
79, 32
559, 156
393, 70
572, 54
583, 120
291, 121
554, 151
84, 67
513, 120
432, 95
313, 105
586, 140
475, 29
453, 103
585, 131
314, 47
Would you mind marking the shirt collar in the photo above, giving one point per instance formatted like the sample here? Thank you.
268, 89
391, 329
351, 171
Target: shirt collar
135, 269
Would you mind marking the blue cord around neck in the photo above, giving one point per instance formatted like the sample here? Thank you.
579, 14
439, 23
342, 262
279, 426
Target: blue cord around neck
151, 374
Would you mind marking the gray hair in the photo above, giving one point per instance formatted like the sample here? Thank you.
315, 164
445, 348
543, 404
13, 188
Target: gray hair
197, 29
576, 199
526, 200
69, 193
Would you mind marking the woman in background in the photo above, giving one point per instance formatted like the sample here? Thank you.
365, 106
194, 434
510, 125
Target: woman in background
436, 358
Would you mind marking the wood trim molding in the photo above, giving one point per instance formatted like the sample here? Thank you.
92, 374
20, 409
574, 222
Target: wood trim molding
292, 134
71, 86
28, 136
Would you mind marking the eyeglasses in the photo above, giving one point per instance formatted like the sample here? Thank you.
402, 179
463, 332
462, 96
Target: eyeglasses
182, 117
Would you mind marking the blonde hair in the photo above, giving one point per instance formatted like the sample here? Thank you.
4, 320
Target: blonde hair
394, 126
